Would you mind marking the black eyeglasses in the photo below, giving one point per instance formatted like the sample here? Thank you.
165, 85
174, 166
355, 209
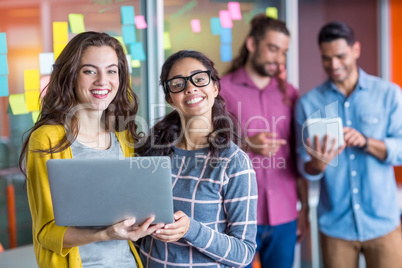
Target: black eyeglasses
178, 84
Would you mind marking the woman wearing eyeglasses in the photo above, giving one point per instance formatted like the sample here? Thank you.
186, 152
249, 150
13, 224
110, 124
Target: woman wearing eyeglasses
213, 182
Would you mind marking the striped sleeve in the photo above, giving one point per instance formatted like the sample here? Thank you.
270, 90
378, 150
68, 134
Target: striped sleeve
235, 247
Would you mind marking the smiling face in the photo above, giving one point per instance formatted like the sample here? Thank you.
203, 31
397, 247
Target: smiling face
268, 53
339, 59
98, 77
192, 101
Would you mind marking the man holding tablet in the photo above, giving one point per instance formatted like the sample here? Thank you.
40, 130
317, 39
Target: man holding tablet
358, 208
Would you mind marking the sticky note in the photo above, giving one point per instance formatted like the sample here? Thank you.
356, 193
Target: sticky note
127, 15
128, 58
226, 36
140, 22
32, 100
58, 48
226, 21
3, 64
76, 23
60, 32
128, 32
215, 26
46, 61
44, 82
35, 116
234, 10
135, 64
3, 43
137, 51
272, 12
226, 52
166, 41
31, 80
195, 26
120, 39
17, 104
3, 86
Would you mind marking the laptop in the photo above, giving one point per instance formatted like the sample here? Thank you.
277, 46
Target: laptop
101, 192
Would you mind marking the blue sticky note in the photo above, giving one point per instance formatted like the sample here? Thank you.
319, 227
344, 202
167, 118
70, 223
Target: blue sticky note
128, 32
3, 86
137, 51
3, 43
226, 52
215, 26
226, 35
3, 64
127, 15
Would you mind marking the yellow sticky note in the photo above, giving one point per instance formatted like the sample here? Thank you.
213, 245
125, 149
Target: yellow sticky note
31, 80
60, 32
58, 48
272, 12
166, 41
32, 100
76, 23
35, 116
17, 104
135, 63
120, 39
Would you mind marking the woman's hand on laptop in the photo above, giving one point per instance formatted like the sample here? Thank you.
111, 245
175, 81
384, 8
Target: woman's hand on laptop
172, 232
127, 230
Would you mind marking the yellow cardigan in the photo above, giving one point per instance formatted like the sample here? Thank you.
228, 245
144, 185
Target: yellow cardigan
47, 236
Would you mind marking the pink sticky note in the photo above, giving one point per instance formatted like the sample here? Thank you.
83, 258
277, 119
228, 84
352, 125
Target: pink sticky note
226, 21
234, 10
44, 81
140, 22
196, 26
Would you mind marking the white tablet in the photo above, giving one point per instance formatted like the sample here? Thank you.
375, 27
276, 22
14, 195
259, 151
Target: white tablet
101, 192
325, 126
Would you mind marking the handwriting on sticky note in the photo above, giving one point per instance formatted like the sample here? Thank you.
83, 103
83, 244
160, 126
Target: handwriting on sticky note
140, 22
195, 26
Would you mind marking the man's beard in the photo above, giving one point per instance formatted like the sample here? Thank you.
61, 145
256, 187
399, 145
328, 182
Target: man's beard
260, 68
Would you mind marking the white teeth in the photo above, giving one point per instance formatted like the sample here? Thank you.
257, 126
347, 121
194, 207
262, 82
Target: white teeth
195, 100
100, 92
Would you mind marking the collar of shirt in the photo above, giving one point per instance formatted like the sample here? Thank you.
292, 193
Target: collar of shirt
241, 77
362, 83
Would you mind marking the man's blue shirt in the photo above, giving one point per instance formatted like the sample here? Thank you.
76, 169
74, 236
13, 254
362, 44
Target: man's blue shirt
358, 197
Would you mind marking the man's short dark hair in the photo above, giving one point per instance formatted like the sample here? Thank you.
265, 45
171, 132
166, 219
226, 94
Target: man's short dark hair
336, 30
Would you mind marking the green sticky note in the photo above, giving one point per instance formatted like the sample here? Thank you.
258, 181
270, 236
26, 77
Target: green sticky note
76, 23
272, 12
166, 41
17, 103
35, 116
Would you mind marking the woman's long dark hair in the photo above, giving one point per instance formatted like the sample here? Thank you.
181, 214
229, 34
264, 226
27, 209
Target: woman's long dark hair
59, 104
169, 130
260, 25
